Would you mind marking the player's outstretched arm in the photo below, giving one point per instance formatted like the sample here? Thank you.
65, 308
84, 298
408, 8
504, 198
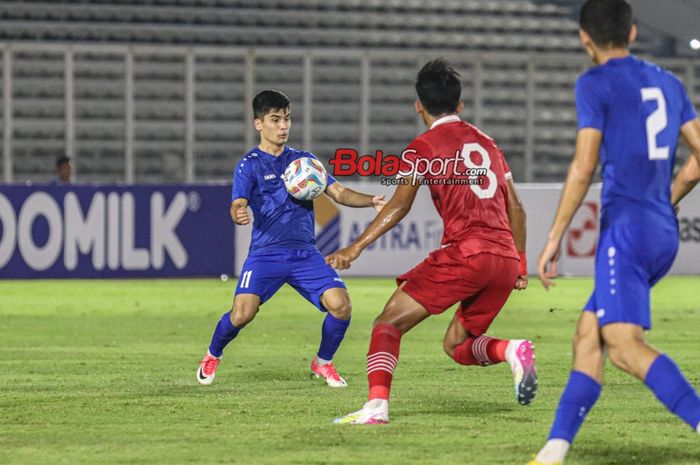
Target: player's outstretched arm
345, 196
239, 211
516, 218
578, 180
393, 212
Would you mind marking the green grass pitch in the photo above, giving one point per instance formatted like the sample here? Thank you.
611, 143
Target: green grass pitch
103, 372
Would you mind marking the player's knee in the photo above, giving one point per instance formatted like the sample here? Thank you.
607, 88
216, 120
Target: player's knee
618, 355
389, 312
337, 303
449, 347
623, 351
341, 309
392, 315
242, 314
344, 312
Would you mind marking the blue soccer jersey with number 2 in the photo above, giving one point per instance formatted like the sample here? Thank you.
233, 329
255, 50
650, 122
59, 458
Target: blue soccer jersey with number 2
639, 107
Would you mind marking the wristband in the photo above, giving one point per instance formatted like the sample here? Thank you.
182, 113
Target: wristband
523, 263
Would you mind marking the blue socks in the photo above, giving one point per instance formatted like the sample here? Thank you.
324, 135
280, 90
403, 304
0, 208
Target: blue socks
332, 334
664, 379
224, 333
579, 396
669, 385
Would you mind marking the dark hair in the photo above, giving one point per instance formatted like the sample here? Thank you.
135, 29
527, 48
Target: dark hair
269, 100
438, 87
608, 22
61, 160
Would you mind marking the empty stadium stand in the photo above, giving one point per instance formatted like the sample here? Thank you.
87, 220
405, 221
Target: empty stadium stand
518, 61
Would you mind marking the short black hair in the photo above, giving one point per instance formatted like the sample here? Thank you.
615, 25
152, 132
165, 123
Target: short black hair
438, 87
269, 100
608, 22
61, 160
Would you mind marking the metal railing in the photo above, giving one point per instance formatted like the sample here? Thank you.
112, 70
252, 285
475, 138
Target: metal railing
492, 83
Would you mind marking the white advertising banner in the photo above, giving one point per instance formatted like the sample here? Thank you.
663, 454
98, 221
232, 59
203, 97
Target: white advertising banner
420, 231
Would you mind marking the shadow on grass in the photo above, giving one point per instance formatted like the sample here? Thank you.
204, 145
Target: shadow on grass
637, 454
456, 408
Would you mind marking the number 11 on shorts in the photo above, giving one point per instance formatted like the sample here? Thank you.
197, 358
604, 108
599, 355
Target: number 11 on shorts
245, 279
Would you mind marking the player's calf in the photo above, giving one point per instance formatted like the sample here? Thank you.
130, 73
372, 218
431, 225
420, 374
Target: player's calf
336, 301
668, 384
627, 349
228, 327
224, 333
589, 357
484, 350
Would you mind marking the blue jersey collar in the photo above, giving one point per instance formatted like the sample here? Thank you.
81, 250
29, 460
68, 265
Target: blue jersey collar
284, 152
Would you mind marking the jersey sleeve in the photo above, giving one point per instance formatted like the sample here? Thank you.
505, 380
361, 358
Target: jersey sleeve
329, 179
688, 110
590, 103
243, 180
508, 174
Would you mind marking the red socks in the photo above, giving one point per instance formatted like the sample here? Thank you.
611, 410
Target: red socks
383, 356
381, 359
482, 350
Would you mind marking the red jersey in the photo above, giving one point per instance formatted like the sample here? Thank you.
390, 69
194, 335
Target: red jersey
467, 175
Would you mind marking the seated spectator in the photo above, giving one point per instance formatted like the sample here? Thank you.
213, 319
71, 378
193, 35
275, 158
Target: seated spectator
64, 170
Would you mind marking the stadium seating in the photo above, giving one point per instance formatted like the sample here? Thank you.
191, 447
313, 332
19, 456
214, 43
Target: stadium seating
462, 30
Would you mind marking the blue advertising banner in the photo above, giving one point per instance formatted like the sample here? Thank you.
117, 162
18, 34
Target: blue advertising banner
109, 231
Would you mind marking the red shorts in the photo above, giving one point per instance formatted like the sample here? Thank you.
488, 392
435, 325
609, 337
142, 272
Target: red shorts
481, 283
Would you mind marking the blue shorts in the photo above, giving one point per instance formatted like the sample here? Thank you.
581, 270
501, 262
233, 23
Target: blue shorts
629, 260
304, 270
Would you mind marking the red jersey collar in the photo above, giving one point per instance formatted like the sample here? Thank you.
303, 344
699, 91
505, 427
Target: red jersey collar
444, 120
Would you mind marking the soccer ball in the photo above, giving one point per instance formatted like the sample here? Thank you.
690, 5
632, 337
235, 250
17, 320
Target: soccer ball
305, 178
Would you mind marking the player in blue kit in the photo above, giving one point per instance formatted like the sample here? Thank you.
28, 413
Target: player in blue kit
282, 248
630, 114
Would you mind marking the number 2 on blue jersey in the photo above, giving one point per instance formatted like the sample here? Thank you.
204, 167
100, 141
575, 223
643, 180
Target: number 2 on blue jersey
656, 122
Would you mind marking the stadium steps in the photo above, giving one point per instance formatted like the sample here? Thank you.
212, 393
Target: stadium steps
481, 25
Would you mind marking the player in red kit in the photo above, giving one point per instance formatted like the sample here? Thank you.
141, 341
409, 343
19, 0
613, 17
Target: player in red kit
482, 257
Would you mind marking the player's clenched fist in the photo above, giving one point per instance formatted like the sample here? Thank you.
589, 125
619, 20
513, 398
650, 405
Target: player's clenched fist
378, 202
240, 215
521, 283
341, 259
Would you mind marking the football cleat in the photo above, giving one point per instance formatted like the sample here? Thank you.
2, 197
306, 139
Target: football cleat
374, 412
207, 369
327, 372
520, 355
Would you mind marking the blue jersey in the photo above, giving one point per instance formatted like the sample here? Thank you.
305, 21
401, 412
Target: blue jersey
639, 108
279, 220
